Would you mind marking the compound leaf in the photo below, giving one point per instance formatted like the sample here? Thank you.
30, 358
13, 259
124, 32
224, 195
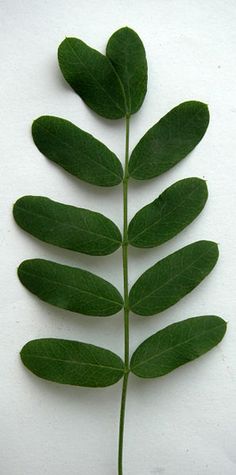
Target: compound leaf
176, 345
93, 77
72, 362
70, 288
172, 278
127, 54
169, 214
170, 140
66, 226
78, 152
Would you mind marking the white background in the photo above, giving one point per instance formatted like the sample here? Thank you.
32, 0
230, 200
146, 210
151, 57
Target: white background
180, 424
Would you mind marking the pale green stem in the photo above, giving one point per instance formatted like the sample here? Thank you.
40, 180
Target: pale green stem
126, 300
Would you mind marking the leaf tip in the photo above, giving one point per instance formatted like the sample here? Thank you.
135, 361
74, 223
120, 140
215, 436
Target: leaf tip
19, 269
34, 125
23, 266
206, 107
66, 39
214, 245
61, 48
14, 206
21, 353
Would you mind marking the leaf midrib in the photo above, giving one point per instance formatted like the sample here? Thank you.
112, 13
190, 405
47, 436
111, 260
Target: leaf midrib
50, 358
32, 274
176, 346
73, 226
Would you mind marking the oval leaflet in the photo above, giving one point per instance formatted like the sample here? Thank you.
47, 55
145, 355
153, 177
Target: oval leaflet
176, 345
78, 152
66, 226
169, 214
72, 362
170, 279
70, 288
127, 55
169, 141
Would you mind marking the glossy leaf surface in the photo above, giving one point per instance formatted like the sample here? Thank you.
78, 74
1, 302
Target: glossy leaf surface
169, 214
169, 141
176, 345
72, 362
172, 278
93, 77
127, 54
70, 288
66, 226
78, 152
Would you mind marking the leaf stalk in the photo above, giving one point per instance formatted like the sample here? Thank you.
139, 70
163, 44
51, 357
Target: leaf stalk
126, 297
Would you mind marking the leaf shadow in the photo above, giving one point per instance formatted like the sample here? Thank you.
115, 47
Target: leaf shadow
58, 76
175, 383
70, 396
86, 188
70, 325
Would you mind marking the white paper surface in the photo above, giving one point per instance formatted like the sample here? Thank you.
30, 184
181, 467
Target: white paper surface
180, 424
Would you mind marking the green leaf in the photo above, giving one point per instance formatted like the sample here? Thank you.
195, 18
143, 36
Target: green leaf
170, 140
169, 214
176, 345
72, 362
78, 152
127, 54
93, 77
172, 278
66, 226
71, 288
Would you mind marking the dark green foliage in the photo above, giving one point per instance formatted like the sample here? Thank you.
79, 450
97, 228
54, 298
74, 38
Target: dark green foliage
78, 152
170, 140
72, 362
172, 278
65, 226
171, 212
92, 76
71, 288
127, 54
176, 345
114, 86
